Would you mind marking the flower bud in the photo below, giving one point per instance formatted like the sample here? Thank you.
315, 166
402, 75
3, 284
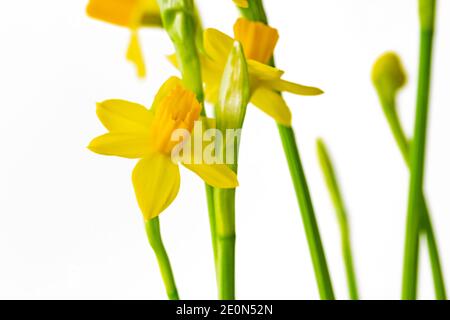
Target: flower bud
388, 75
234, 93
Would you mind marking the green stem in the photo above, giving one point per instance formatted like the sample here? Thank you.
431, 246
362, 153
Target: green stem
426, 224
389, 109
307, 211
417, 156
224, 200
256, 12
433, 252
349, 264
212, 220
338, 202
226, 266
154, 238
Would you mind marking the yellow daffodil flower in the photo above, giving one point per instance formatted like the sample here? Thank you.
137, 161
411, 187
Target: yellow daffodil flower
145, 134
130, 14
241, 3
258, 41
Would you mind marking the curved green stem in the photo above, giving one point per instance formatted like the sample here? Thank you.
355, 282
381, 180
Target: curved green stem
417, 156
307, 211
338, 202
433, 252
389, 109
426, 224
154, 238
256, 12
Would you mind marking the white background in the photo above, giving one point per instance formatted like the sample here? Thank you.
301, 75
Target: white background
70, 226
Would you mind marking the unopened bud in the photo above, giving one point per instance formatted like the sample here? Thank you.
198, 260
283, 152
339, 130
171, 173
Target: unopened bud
234, 91
388, 75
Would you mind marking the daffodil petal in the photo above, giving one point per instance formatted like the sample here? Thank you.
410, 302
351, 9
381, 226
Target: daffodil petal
156, 181
272, 104
173, 59
217, 44
118, 12
165, 89
127, 145
282, 85
134, 54
212, 76
125, 13
124, 116
262, 71
216, 175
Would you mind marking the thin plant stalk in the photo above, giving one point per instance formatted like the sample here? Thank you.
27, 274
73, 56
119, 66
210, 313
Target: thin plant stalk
342, 217
154, 238
212, 220
256, 12
426, 225
226, 241
417, 152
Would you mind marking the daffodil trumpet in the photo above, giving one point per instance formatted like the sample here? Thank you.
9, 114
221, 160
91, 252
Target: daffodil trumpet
255, 12
388, 77
148, 134
331, 181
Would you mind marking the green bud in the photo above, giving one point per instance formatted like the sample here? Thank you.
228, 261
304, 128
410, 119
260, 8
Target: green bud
388, 75
234, 92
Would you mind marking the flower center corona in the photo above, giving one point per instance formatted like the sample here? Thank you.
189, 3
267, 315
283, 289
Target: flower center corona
257, 39
178, 110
